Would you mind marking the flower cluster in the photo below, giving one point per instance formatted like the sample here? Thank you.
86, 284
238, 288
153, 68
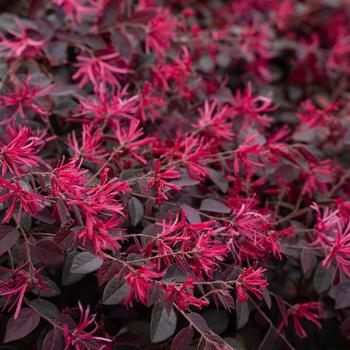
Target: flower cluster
177, 169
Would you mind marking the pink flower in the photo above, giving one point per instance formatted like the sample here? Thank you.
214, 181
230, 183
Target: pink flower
160, 180
183, 295
20, 150
251, 280
339, 250
252, 109
309, 311
96, 201
15, 193
207, 253
26, 97
149, 103
68, 179
21, 44
77, 9
130, 139
140, 281
106, 68
15, 284
245, 154
108, 108
214, 122
79, 337
318, 176
192, 151
90, 148
99, 238
160, 32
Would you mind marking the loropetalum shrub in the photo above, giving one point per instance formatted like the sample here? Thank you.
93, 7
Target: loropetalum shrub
175, 174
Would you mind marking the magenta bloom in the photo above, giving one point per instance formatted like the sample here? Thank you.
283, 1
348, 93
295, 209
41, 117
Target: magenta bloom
339, 250
21, 44
106, 68
21, 150
160, 181
31, 203
15, 284
251, 280
140, 282
309, 311
79, 338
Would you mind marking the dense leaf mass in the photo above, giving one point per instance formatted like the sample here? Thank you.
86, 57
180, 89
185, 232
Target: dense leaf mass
175, 174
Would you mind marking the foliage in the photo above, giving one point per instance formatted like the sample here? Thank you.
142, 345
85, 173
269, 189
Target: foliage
175, 174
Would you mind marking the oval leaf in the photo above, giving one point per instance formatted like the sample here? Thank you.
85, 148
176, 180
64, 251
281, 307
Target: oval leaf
114, 294
163, 323
8, 237
45, 307
136, 211
53, 341
322, 279
219, 180
85, 263
48, 252
183, 339
214, 206
26, 322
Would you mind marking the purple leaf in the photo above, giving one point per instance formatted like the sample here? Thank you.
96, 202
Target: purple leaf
114, 293
48, 252
26, 322
192, 214
122, 44
45, 307
214, 206
163, 323
322, 278
136, 211
143, 16
183, 339
85, 263
242, 314
341, 294
8, 237
219, 180
199, 322
53, 341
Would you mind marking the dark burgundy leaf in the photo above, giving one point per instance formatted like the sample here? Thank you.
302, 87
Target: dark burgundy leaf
183, 339
242, 314
192, 214
136, 211
122, 44
341, 294
322, 278
271, 339
215, 206
53, 341
26, 322
199, 322
217, 320
50, 288
8, 237
68, 277
48, 252
219, 180
143, 16
163, 323
45, 307
114, 292
85, 263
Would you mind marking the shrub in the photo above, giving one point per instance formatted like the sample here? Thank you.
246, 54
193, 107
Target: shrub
175, 174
